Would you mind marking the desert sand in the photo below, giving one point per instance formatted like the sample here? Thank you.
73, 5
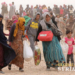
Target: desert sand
31, 69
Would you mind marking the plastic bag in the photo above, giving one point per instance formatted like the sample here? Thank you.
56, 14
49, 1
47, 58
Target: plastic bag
27, 51
64, 47
37, 55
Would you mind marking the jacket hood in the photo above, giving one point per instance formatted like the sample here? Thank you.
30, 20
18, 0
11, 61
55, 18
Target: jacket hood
38, 13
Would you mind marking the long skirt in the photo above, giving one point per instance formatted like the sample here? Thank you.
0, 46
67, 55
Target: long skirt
53, 53
1, 56
18, 48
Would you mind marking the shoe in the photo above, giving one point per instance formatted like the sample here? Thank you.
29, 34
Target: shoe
21, 70
56, 68
2, 72
9, 67
48, 69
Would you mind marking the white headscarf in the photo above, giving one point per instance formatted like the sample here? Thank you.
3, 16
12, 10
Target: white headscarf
43, 23
44, 16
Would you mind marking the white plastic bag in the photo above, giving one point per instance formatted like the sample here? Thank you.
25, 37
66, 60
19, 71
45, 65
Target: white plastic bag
64, 47
27, 51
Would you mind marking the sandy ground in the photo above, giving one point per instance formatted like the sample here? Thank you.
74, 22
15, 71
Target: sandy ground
31, 69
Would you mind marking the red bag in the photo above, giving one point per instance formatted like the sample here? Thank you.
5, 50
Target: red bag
45, 36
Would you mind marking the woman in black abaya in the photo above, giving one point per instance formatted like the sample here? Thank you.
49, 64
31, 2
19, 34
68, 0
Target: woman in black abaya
7, 54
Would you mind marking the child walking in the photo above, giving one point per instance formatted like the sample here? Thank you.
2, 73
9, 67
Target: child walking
70, 41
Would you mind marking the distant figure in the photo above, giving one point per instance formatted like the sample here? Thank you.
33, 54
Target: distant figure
34, 11
70, 22
71, 10
4, 8
27, 9
61, 11
49, 9
65, 10
24, 13
12, 10
37, 8
56, 10
40, 9
21, 10
31, 11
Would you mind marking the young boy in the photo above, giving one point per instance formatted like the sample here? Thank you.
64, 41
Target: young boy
32, 29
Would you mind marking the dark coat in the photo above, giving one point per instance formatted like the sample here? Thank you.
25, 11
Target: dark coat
9, 53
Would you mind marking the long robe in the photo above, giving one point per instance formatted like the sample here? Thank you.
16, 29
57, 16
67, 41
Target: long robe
52, 50
12, 11
8, 52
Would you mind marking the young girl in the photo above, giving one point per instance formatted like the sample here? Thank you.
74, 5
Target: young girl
70, 41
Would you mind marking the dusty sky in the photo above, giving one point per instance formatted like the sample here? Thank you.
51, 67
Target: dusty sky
39, 2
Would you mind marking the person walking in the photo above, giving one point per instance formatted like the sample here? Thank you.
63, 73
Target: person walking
16, 33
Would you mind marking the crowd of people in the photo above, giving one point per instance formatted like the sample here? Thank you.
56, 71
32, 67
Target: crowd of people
30, 22
62, 16
56, 10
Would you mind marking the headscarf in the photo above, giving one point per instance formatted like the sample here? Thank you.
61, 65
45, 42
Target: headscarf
10, 4
45, 14
52, 25
19, 25
38, 13
14, 18
50, 22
